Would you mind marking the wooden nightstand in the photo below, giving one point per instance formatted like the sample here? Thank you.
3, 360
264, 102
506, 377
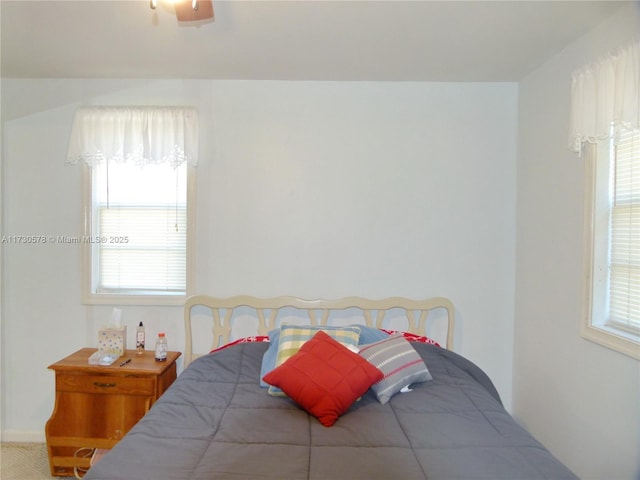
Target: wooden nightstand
97, 405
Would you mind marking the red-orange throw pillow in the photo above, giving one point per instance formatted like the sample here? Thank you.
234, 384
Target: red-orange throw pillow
324, 378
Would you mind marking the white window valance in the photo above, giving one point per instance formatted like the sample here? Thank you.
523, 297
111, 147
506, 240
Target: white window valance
139, 135
603, 94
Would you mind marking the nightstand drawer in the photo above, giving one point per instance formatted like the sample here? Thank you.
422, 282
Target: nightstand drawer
105, 384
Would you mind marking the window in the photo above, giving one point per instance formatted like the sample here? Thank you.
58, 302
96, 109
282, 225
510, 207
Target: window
137, 233
613, 243
138, 196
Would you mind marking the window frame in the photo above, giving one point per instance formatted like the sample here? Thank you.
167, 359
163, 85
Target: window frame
106, 298
594, 326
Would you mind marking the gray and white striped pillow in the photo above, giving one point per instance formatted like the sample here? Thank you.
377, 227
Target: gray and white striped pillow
399, 362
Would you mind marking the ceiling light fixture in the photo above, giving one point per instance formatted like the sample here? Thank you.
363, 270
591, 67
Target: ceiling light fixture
188, 10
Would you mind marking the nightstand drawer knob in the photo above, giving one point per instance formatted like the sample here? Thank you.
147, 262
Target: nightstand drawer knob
105, 385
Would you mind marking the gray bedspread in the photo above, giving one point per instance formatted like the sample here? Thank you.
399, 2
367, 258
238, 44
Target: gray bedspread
216, 422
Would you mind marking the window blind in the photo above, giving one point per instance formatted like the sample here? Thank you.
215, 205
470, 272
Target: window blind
624, 281
143, 249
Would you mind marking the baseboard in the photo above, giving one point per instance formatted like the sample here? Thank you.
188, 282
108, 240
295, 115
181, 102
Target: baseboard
21, 436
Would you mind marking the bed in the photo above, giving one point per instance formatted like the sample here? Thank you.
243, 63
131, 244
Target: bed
390, 402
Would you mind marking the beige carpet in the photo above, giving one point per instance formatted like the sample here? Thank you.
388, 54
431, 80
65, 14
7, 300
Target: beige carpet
24, 461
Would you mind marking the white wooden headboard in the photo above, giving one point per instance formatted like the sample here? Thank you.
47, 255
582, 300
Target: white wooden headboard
318, 312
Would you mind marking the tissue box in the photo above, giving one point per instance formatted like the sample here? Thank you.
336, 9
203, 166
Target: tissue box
113, 340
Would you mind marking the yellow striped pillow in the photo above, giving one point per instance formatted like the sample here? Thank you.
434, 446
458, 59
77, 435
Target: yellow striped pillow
292, 337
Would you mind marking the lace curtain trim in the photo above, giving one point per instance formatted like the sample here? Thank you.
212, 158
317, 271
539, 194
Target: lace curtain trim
138, 135
605, 94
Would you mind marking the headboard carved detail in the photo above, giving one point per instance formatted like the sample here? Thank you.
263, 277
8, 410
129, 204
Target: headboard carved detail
318, 311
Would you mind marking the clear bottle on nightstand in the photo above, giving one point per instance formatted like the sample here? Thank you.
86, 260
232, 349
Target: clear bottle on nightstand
161, 348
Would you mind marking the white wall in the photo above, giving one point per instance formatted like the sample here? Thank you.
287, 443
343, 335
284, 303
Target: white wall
314, 189
580, 399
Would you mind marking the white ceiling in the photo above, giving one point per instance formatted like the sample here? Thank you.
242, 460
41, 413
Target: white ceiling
292, 40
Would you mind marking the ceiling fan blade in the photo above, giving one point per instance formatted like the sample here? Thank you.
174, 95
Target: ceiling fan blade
186, 13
